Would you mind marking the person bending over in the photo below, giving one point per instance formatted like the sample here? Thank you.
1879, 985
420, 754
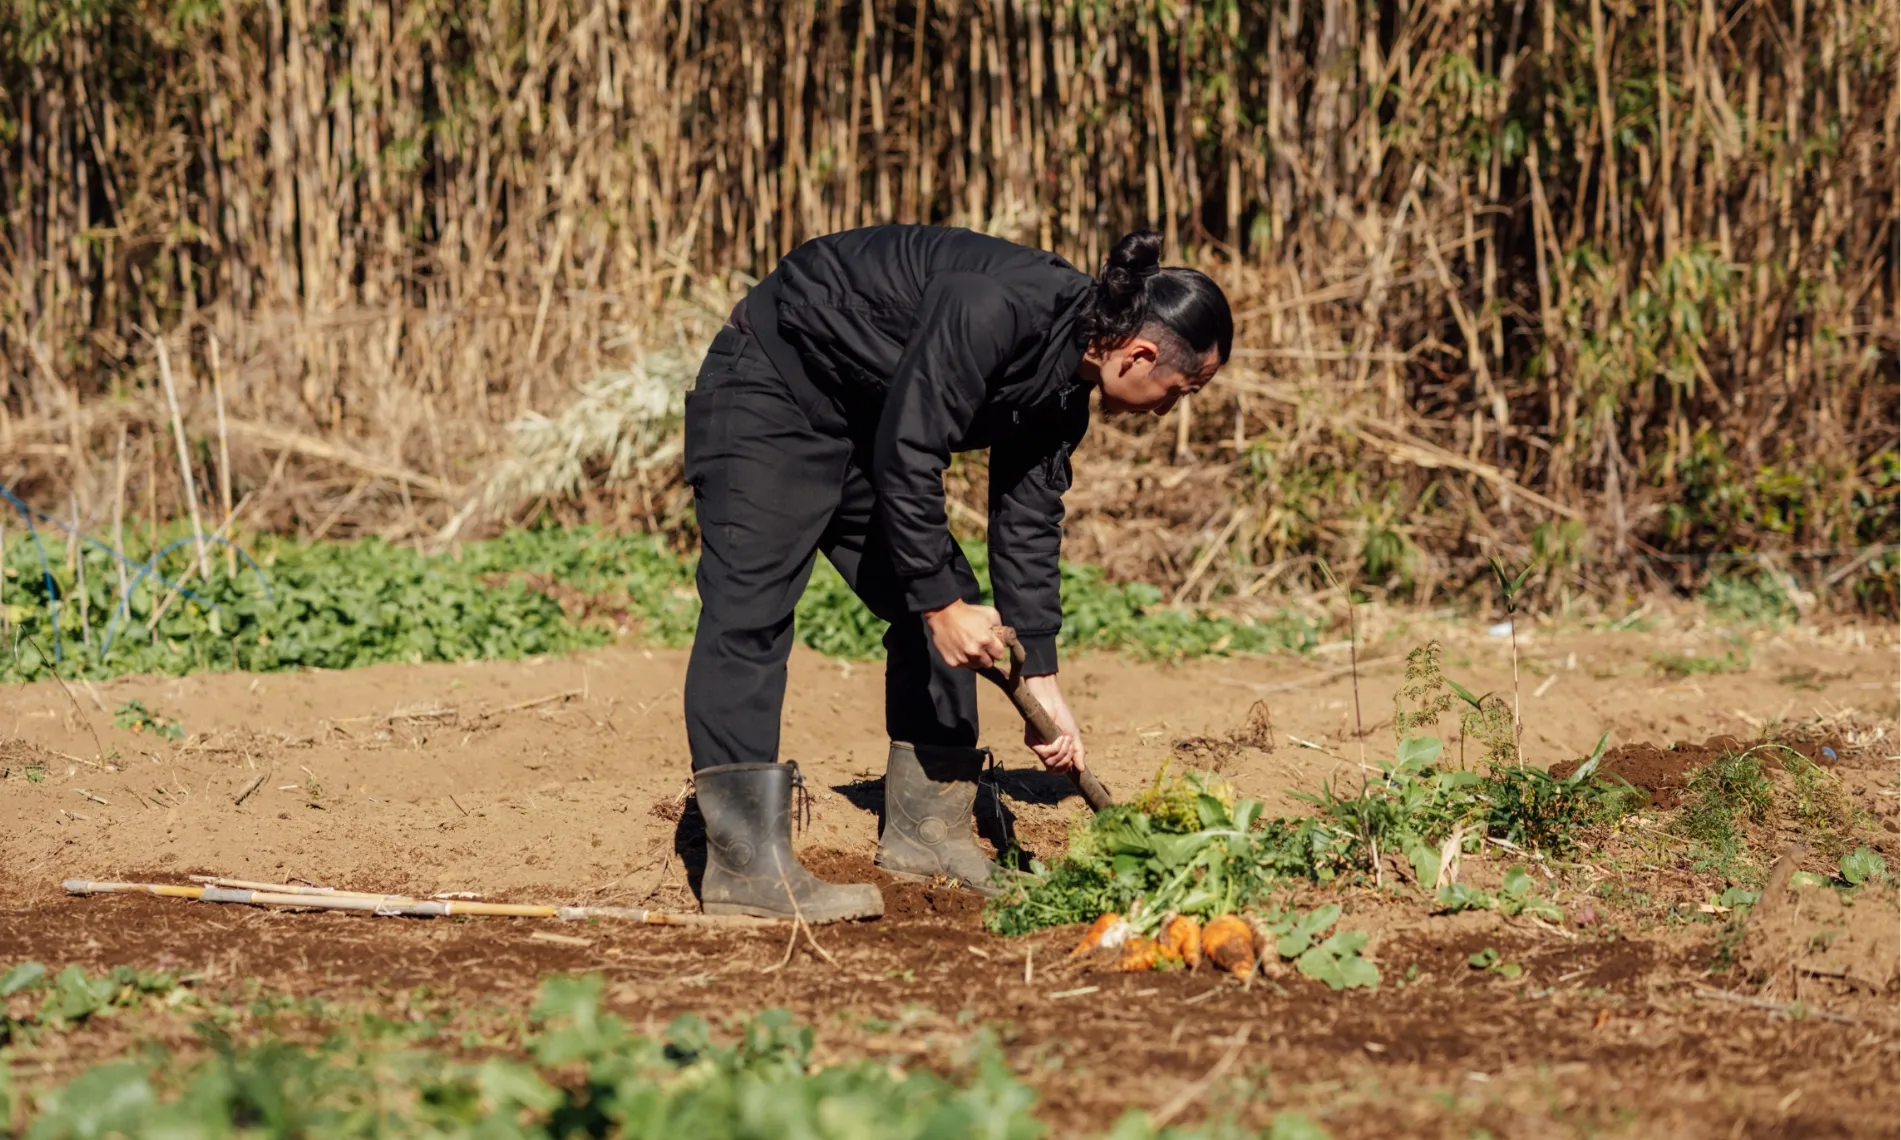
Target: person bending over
822, 420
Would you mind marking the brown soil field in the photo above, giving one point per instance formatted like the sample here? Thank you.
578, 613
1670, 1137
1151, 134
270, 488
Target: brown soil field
565, 780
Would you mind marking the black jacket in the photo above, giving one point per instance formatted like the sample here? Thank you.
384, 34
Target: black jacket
918, 341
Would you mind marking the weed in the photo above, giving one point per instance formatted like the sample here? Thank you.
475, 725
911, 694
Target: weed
1754, 599
1723, 795
1745, 788
1515, 897
1174, 802
1815, 804
1532, 808
1490, 961
1427, 695
1402, 813
1678, 666
1486, 720
1424, 689
135, 717
1510, 586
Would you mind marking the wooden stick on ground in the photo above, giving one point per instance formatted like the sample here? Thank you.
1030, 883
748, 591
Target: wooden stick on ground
402, 906
1790, 1009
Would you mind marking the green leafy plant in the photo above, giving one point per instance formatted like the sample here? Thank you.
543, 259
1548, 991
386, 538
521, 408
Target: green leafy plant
1490, 961
1335, 960
341, 605
71, 996
579, 1070
1722, 798
1215, 861
134, 716
1677, 665
1515, 896
1863, 865
1403, 812
1753, 599
1534, 809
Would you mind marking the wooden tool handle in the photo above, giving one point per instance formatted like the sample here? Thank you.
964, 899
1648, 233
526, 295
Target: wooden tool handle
1038, 718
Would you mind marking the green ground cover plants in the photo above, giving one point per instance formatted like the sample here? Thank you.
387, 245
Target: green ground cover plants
1730, 801
1189, 845
570, 1069
345, 604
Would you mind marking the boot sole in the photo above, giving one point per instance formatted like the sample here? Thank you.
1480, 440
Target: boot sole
728, 909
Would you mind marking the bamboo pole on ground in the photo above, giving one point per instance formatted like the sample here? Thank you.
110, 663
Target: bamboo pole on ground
402, 906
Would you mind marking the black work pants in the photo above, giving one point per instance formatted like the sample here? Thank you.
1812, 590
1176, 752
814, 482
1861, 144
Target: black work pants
771, 489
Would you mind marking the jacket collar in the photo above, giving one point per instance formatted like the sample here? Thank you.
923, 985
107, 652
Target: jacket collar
1065, 351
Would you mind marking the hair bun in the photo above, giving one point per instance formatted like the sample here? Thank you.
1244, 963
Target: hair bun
1138, 253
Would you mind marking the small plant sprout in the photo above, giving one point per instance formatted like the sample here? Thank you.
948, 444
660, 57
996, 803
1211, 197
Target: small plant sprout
1510, 587
1488, 960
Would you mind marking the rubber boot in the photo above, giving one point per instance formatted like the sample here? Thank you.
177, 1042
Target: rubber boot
750, 868
928, 796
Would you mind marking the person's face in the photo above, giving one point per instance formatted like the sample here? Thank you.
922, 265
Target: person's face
1133, 379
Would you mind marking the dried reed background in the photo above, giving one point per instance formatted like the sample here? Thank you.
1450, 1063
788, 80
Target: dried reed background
1605, 286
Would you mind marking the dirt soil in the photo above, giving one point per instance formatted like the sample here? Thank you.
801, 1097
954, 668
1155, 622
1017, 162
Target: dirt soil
1661, 774
565, 780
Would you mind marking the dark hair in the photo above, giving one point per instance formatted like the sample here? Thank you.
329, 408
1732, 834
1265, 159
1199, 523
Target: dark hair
1183, 309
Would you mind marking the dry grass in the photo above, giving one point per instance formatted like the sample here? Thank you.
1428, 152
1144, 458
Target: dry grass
1600, 286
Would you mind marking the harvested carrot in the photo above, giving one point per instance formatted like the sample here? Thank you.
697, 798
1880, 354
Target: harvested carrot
1139, 954
1181, 938
1106, 933
1228, 942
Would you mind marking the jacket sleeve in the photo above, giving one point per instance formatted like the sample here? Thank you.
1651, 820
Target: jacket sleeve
966, 331
1028, 474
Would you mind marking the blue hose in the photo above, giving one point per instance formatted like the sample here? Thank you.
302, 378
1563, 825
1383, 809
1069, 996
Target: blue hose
124, 608
46, 568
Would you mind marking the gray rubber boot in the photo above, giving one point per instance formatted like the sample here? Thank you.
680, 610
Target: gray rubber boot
750, 868
928, 796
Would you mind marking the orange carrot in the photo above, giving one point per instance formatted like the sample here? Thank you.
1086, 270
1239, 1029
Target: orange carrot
1228, 942
1181, 938
1101, 935
1138, 954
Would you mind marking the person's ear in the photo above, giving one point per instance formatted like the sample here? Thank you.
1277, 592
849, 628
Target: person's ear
1140, 351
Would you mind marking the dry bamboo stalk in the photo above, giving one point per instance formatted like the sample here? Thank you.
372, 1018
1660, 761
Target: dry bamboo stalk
224, 460
77, 544
184, 454
375, 301
118, 507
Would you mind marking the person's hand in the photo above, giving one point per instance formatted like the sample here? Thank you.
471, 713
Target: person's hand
966, 635
1065, 753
